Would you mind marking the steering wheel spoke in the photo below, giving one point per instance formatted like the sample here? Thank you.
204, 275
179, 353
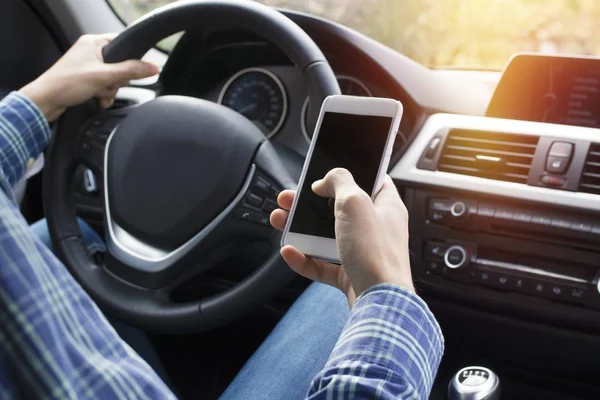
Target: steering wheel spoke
92, 138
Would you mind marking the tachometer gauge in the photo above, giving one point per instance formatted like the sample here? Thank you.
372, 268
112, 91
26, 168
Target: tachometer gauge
349, 86
258, 95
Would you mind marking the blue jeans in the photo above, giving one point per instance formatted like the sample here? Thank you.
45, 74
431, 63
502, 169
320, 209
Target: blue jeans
286, 362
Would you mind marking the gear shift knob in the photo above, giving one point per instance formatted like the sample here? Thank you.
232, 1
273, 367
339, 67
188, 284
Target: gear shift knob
474, 383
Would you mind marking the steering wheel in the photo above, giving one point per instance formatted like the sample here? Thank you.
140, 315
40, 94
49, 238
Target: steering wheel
184, 181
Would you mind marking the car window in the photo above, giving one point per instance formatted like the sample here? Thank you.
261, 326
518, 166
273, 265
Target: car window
466, 34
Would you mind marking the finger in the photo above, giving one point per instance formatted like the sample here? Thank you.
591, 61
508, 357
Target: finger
106, 102
286, 198
279, 218
108, 93
107, 36
388, 193
337, 183
129, 70
318, 271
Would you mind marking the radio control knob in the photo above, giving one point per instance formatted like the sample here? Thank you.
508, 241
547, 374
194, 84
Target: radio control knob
456, 257
459, 210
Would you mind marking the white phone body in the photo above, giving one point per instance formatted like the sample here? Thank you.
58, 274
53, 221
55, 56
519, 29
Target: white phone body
325, 248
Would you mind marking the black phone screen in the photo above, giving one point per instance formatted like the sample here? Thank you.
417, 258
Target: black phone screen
350, 141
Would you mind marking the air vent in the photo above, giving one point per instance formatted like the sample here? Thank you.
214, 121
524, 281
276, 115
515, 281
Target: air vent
492, 155
590, 178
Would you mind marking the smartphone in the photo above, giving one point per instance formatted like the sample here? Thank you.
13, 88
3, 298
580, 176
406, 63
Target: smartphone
355, 133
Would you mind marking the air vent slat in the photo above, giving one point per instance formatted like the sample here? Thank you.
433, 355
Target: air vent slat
487, 151
492, 155
493, 142
590, 177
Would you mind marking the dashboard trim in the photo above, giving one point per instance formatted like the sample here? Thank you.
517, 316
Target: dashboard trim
307, 99
406, 169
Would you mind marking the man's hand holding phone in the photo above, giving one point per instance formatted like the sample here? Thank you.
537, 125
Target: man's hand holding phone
371, 236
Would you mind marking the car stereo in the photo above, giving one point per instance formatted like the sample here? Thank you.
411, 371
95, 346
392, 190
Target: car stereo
554, 89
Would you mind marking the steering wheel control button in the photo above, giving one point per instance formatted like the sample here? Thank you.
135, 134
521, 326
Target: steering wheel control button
557, 165
86, 146
89, 181
262, 184
255, 217
456, 257
273, 191
270, 206
254, 200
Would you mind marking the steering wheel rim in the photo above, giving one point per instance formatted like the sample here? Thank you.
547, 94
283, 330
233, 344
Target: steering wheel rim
119, 288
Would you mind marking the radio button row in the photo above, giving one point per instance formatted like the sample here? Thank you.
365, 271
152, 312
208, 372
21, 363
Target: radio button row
486, 210
522, 216
440, 205
504, 213
581, 226
561, 222
531, 285
541, 219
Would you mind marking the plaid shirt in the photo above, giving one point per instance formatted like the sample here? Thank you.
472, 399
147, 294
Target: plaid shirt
56, 343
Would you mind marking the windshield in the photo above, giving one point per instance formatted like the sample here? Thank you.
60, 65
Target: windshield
465, 34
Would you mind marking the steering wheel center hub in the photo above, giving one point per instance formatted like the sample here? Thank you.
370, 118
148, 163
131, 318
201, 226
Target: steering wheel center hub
173, 165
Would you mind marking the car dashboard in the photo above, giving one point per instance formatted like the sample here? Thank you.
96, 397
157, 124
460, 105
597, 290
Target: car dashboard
504, 207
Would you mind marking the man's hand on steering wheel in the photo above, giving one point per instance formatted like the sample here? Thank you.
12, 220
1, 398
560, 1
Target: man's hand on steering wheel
81, 74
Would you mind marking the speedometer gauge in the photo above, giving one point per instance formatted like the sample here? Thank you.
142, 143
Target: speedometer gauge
258, 95
349, 86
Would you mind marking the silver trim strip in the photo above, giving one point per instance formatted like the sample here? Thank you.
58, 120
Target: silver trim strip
138, 95
529, 270
143, 256
406, 169
277, 81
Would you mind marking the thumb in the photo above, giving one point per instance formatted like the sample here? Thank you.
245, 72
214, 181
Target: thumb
129, 70
338, 183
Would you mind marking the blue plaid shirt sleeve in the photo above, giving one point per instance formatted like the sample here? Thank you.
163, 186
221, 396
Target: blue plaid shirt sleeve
390, 348
54, 341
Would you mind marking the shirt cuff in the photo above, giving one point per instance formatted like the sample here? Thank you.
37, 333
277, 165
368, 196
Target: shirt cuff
393, 328
24, 133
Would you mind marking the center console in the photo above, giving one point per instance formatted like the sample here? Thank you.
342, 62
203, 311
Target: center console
505, 227
506, 214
